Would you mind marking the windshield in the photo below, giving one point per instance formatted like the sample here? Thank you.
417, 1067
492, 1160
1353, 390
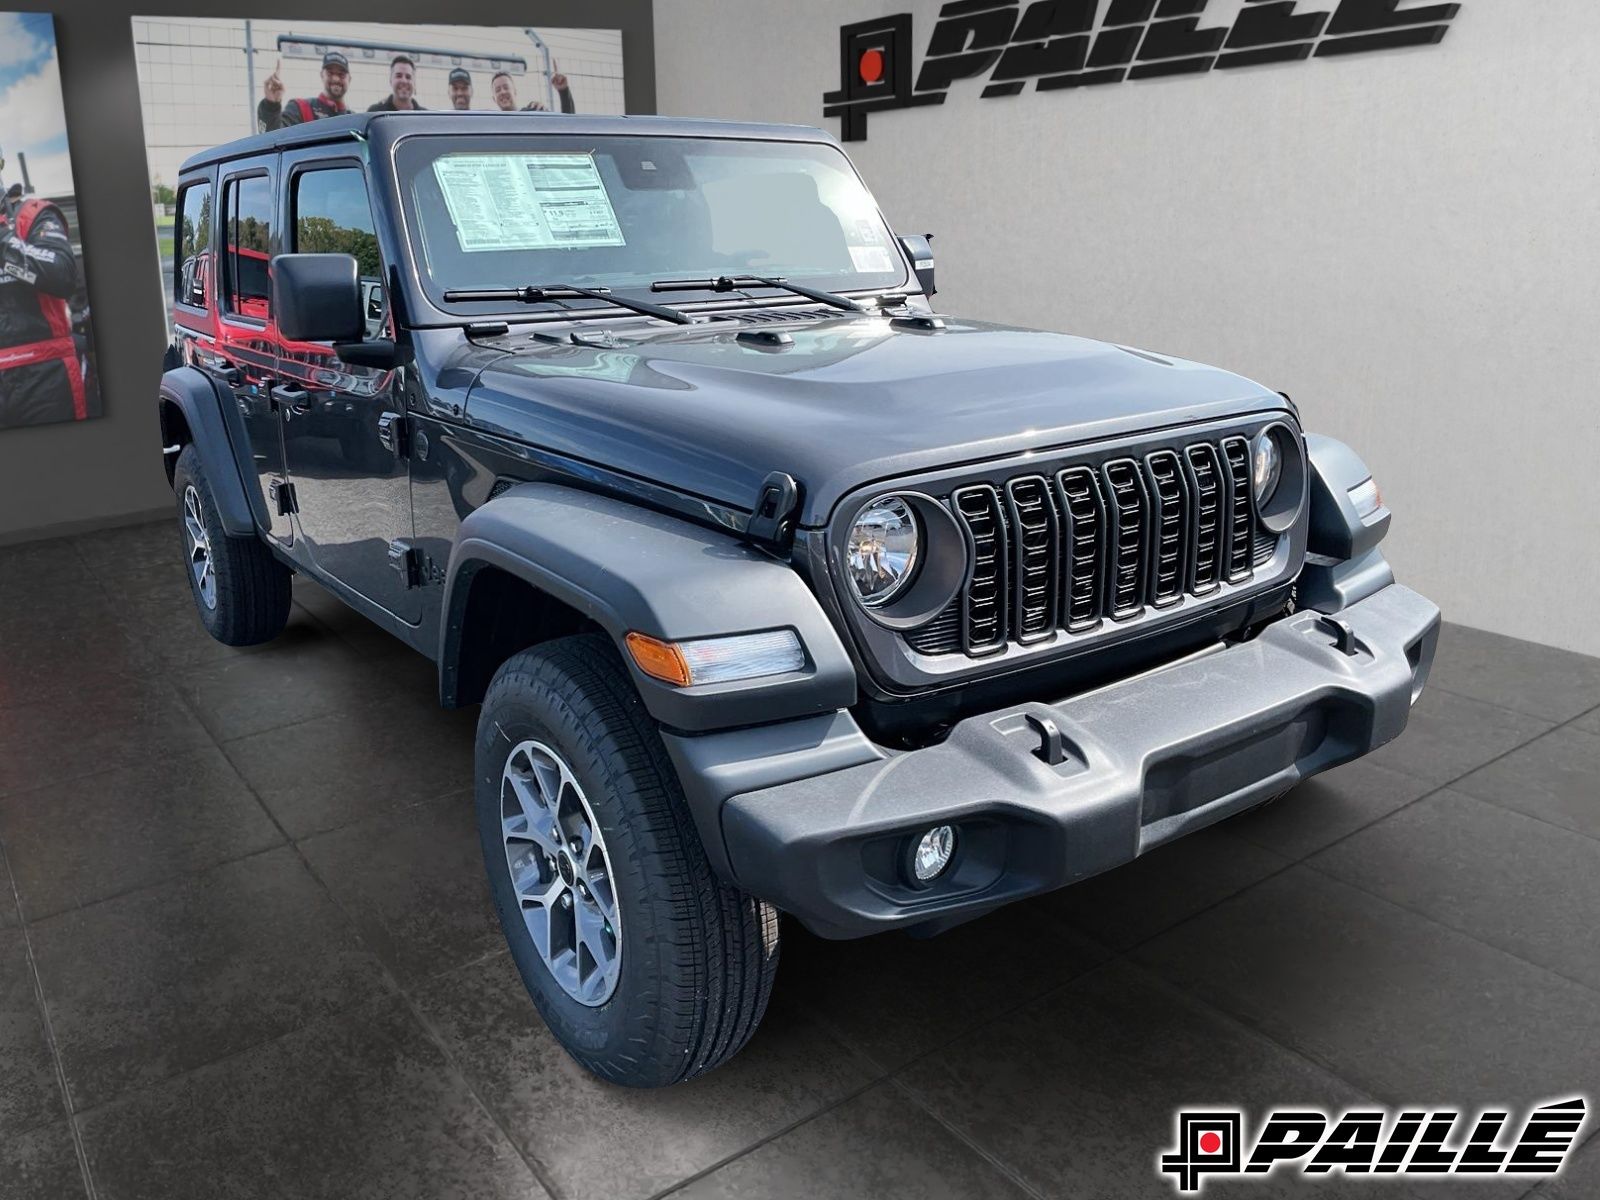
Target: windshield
507, 211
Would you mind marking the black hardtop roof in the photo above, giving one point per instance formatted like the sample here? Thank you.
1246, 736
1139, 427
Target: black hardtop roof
388, 125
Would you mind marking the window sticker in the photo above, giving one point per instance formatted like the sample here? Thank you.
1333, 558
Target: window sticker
871, 260
544, 201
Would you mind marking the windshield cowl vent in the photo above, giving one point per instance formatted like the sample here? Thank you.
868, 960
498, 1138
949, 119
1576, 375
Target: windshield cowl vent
774, 316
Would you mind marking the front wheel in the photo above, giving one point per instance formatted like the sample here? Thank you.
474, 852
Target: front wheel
647, 968
241, 591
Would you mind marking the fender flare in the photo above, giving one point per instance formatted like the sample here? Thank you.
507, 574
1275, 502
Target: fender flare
196, 396
629, 568
1337, 531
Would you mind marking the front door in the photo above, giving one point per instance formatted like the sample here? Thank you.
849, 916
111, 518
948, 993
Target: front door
243, 355
343, 424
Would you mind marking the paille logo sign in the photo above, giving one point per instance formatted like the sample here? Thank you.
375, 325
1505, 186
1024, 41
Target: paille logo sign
1073, 43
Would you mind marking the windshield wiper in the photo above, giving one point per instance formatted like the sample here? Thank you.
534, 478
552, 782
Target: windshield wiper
733, 283
566, 291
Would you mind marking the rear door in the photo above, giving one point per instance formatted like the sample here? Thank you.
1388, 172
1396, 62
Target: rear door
343, 424
243, 356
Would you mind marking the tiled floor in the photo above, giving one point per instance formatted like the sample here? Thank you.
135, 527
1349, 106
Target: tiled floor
246, 949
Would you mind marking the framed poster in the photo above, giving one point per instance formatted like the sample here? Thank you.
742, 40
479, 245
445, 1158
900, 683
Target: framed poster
47, 371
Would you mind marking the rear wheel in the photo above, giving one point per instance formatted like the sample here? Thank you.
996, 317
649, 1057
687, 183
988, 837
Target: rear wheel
241, 591
647, 967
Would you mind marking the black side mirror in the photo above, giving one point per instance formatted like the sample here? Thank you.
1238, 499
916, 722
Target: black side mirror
919, 249
317, 298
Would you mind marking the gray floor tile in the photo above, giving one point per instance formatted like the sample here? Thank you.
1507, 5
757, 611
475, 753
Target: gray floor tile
29, 1093
1170, 884
895, 996
157, 982
9, 917
595, 1141
1449, 735
308, 673
1076, 1093
331, 771
104, 724
877, 1144
1527, 676
162, 620
1327, 807
1512, 881
1589, 722
1556, 778
359, 1107
30, 565
40, 1165
1393, 1002
73, 843
54, 636
333, 614
147, 546
414, 885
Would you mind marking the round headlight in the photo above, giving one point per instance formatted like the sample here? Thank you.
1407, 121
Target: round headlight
882, 553
1267, 465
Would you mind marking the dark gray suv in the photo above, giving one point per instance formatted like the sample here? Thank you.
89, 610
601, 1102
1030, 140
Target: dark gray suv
779, 590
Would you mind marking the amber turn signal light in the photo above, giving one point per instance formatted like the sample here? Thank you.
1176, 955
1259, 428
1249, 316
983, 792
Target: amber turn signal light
659, 660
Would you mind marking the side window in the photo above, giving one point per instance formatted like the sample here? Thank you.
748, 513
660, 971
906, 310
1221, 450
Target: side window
332, 216
249, 225
192, 257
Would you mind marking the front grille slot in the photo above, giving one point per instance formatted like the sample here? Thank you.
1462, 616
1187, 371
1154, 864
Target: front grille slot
1129, 503
1169, 493
1085, 514
1241, 515
1208, 491
1034, 574
985, 623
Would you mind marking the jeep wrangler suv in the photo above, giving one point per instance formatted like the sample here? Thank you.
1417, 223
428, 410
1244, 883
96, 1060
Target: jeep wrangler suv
779, 591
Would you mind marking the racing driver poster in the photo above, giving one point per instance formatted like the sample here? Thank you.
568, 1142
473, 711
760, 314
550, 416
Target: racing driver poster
206, 81
46, 349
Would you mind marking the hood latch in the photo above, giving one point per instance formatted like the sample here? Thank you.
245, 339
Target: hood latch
775, 507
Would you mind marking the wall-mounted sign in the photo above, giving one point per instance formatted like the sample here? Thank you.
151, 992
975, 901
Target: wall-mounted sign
1083, 43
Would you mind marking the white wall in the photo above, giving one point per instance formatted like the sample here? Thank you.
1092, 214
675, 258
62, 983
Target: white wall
1407, 242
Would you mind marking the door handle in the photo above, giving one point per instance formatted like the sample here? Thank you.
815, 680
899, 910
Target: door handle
295, 399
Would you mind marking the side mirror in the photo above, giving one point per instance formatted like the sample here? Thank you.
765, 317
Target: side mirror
317, 298
919, 249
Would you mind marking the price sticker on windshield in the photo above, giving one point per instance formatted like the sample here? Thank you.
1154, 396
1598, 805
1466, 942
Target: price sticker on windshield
549, 201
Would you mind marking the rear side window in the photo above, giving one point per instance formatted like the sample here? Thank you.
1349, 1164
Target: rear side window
332, 216
192, 245
248, 209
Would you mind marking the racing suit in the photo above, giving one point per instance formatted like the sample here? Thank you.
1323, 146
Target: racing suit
40, 377
270, 115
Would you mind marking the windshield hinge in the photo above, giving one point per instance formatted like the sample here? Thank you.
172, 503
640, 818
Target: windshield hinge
776, 504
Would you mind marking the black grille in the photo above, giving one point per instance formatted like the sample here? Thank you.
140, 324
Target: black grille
1241, 518
984, 623
1096, 543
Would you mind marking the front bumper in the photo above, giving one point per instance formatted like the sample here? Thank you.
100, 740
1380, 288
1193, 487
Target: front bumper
812, 817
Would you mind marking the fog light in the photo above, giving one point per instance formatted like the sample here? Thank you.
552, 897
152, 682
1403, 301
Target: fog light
932, 854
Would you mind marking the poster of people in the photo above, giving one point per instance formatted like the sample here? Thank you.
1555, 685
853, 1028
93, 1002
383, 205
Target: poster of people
46, 350
204, 81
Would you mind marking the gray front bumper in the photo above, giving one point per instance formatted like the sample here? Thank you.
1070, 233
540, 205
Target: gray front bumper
814, 818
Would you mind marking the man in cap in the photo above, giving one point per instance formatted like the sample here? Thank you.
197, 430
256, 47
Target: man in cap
505, 94
402, 95
460, 88
273, 113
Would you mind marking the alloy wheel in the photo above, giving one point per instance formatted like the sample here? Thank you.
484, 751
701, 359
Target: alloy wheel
561, 872
201, 564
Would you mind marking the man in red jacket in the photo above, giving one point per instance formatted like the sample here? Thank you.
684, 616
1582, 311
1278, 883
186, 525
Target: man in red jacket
273, 113
41, 379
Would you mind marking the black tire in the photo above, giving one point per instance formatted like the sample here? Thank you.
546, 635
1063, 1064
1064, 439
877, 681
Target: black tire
252, 594
698, 956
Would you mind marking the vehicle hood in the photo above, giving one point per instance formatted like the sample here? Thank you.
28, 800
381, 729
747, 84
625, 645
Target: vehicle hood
844, 403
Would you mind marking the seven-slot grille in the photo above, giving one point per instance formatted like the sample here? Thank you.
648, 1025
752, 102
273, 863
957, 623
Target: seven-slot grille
1089, 544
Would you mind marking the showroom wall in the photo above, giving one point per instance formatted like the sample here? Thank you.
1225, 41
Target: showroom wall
1407, 242
60, 478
